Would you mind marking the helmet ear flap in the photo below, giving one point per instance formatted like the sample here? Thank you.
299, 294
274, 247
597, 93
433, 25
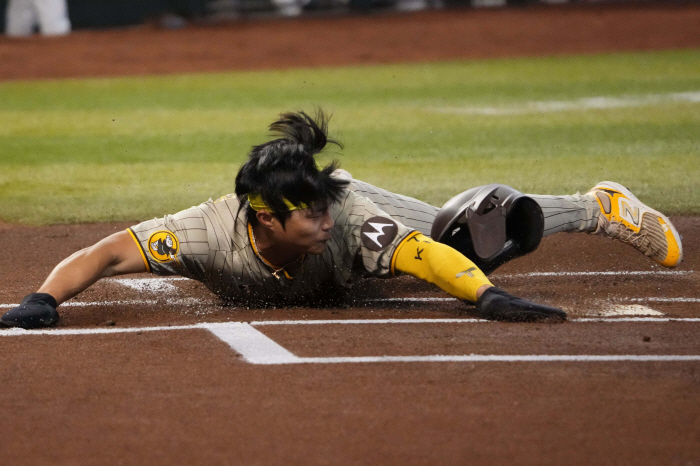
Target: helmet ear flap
525, 224
490, 225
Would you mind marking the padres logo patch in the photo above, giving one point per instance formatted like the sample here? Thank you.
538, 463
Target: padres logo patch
163, 246
378, 233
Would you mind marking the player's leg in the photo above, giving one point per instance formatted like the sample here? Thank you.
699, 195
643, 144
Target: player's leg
289, 7
608, 209
561, 213
21, 18
576, 213
53, 17
494, 303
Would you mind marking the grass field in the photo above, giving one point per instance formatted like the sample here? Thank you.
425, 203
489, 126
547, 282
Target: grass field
132, 148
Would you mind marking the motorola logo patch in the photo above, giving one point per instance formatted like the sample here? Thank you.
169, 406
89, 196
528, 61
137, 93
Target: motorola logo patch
378, 233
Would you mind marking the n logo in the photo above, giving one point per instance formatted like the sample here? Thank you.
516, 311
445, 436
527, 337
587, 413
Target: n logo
629, 213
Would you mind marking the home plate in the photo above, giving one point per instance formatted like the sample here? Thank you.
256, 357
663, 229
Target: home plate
630, 310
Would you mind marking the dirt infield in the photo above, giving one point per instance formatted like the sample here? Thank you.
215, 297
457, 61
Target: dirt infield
163, 394
557, 274
144, 371
425, 36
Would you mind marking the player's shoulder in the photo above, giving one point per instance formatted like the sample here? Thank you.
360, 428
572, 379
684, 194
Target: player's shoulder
346, 208
353, 210
228, 199
228, 214
226, 206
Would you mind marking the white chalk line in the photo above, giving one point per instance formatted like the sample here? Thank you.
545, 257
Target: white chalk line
137, 282
198, 302
257, 348
153, 285
9, 332
588, 103
592, 274
488, 358
132, 302
650, 299
409, 300
663, 300
254, 346
158, 284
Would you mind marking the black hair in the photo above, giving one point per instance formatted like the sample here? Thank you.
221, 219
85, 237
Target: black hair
285, 168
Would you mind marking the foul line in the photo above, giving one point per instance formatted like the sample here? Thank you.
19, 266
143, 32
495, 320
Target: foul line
9, 332
588, 274
490, 358
588, 103
650, 299
663, 300
257, 348
132, 302
198, 302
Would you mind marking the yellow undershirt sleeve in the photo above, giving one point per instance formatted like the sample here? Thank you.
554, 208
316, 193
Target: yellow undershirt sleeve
438, 263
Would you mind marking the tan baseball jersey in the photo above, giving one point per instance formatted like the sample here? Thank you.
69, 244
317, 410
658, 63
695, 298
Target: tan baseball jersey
213, 243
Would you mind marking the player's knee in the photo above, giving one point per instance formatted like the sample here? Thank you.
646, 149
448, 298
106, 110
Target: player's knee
490, 225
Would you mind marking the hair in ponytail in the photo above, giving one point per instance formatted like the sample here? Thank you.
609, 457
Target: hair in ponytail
285, 168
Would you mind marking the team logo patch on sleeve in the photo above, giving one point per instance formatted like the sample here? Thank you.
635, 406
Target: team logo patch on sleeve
163, 246
378, 233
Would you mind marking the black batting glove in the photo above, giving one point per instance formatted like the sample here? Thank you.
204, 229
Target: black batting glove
36, 310
496, 304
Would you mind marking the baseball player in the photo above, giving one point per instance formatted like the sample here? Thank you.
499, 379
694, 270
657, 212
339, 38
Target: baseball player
293, 228
51, 16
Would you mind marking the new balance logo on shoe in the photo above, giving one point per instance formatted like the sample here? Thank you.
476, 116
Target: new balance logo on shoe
629, 213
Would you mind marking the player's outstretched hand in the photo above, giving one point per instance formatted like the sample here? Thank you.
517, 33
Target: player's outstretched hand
36, 310
496, 304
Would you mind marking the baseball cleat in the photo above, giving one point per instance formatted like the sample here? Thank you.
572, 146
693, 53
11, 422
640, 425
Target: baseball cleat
624, 217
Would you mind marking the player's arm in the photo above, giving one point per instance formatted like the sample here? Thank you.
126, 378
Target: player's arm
117, 254
454, 273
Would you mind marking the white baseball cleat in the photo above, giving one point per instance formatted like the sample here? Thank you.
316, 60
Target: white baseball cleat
624, 217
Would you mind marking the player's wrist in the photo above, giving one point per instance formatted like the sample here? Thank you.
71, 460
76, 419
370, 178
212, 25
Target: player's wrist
44, 298
482, 289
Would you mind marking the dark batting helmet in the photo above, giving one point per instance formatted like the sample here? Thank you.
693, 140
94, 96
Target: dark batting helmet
490, 225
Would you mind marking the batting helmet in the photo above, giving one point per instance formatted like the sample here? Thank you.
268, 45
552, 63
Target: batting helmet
490, 225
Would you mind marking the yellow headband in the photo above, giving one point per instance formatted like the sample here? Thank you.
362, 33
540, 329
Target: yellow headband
257, 203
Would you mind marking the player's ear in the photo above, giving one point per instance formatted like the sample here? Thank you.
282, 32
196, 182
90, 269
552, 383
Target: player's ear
265, 218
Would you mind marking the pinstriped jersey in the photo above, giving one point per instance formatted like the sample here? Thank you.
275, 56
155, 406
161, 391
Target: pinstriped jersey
212, 243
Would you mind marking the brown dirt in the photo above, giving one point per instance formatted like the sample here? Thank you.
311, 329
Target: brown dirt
185, 398
44, 247
425, 36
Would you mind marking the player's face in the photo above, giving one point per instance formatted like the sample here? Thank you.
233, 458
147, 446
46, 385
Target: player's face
308, 231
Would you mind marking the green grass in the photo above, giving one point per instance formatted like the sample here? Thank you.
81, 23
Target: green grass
133, 148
